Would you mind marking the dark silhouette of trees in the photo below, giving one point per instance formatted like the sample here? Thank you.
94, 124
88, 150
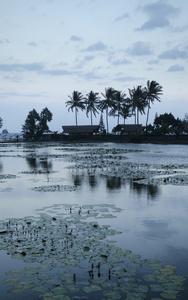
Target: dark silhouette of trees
107, 103
115, 103
1, 122
75, 103
92, 102
153, 92
101, 125
29, 129
125, 110
36, 124
116, 106
45, 116
166, 124
138, 101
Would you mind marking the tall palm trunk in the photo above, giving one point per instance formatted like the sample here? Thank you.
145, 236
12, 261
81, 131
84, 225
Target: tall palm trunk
148, 113
107, 119
76, 117
137, 116
91, 118
118, 118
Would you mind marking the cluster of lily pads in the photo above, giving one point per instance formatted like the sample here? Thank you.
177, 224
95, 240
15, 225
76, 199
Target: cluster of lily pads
73, 256
113, 162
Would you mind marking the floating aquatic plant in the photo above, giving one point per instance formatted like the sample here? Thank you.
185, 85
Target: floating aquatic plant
71, 257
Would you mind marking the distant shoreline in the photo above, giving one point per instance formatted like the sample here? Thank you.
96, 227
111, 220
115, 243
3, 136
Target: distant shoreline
132, 138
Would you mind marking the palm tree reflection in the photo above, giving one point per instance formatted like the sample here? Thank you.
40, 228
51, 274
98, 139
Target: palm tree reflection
152, 191
113, 182
1, 166
92, 178
37, 164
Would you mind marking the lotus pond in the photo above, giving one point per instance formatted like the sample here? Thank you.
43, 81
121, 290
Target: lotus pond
88, 221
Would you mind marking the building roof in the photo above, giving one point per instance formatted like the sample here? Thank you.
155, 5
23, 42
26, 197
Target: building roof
83, 129
129, 127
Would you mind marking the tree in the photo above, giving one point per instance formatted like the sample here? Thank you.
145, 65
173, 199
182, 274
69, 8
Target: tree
119, 99
107, 102
45, 116
29, 129
1, 122
153, 92
75, 103
92, 102
101, 125
125, 110
167, 123
36, 124
138, 101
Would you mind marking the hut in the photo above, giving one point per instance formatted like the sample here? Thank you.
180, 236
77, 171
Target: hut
125, 129
80, 130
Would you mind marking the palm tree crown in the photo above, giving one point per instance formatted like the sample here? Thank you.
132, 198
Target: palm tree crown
125, 110
107, 102
153, 92
76, 102
138, 100
117, 104
92, 102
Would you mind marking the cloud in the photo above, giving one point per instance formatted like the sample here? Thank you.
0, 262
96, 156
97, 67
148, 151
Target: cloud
37, 67
127, 78
21, 67
158, 14
4, 41
91, 75
139, 49
17, 94
153, 62
32, 44
55, 72
119, 62
180, 29
176, 68
153, 23
76, 38
122, 17
88, 57
174, 53
99, 46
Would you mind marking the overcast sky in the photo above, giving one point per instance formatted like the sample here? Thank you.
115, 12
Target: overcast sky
48, 48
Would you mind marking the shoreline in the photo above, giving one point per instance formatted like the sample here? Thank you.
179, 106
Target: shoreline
132, 138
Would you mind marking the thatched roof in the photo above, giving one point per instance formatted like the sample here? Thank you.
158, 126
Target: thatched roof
83, 129
129, 128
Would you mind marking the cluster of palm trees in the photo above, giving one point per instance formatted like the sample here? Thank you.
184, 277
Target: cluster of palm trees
116, 103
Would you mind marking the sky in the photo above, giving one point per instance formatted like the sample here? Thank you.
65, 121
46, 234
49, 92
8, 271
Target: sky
49, 48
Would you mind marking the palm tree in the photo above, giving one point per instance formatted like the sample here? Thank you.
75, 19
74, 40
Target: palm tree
138, 101
119, 98
92, 101
153, 92
107, 102
125, 110
76, 102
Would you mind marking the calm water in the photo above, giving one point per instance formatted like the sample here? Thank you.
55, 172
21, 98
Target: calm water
154, 220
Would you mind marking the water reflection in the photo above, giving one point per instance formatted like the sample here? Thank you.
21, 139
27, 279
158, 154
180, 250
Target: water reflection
159, 230
92, 178
77, 177
36, 163
1, 166
152, 191
113, 182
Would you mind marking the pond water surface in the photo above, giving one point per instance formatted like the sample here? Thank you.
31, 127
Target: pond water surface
140, 190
